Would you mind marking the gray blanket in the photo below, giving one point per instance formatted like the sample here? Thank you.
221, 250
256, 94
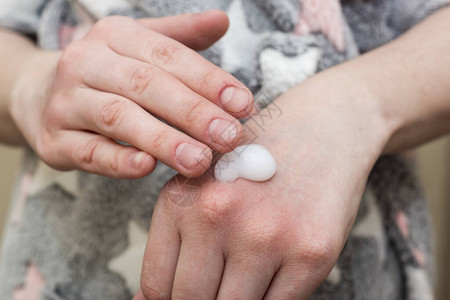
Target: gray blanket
81, 236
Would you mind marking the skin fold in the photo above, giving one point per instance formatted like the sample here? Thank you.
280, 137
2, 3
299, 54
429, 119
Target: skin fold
244, 240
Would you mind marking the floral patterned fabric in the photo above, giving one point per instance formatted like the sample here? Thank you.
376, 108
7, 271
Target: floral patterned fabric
74, 235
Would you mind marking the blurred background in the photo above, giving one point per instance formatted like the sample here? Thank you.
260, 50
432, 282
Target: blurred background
434, 166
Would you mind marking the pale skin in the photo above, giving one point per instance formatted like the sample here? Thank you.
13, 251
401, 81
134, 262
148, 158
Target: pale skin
48, 97
278, 239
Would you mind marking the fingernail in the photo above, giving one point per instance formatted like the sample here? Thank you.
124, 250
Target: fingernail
223, 132
189, 155
235, 99
137, 159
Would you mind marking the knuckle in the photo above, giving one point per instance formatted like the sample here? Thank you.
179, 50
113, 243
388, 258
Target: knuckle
216, 211
208, 77
88, 151
140, 79
156, 141
151, 291
172, 185
106, 26
113, 113
103, 25
192, 110
114, 163
182, 191
319, 252
164, 53
69, 62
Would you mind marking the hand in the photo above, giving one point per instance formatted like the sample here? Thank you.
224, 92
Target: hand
277, 239
116, 83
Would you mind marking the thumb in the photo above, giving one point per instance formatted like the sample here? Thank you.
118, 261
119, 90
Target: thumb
197, 31
139, 296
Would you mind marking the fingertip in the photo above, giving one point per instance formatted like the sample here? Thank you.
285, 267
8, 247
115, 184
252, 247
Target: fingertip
141, 164
141, 159
238, 101
210, 26
250, 108
248, 112
218, 16
193, 160
225, 134
237, 140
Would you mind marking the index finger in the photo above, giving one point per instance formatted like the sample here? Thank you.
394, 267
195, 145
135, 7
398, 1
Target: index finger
200, 75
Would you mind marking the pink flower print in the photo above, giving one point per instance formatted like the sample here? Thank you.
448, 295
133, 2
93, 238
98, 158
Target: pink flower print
420, 257
323, 16
403, 223
31, 289
65, 35
25, 185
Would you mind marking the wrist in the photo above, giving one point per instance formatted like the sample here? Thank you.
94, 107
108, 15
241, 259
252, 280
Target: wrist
409, 79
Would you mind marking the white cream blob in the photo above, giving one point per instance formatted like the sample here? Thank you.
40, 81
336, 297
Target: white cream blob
252, 162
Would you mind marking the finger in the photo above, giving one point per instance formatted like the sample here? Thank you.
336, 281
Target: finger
196, 31
293, 282
189, 67
166, 97
97, 154
139, 296
161, 255
120, 119
246, 277
199, 270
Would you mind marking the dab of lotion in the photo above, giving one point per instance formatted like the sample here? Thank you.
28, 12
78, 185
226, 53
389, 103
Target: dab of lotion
252, 162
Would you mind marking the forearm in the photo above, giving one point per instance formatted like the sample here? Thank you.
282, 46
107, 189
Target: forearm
14, 51
410, 81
